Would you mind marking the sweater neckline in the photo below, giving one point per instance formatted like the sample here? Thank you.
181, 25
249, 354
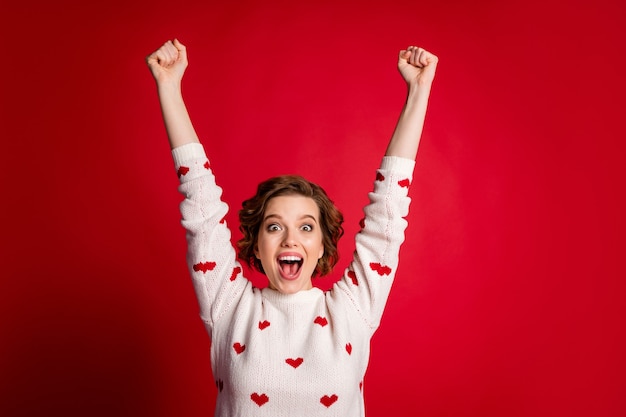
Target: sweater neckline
301, 297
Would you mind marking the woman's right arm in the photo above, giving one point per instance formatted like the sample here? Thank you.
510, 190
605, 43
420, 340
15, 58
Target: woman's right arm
168, 64
211, 258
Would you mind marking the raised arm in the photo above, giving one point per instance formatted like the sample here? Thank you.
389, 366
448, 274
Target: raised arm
216, 275
369, 278
168, 64
417, 67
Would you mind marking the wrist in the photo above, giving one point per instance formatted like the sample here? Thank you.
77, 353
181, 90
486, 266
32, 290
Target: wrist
417, 92
169, 87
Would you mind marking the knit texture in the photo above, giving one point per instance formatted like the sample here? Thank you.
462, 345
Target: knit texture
285, 355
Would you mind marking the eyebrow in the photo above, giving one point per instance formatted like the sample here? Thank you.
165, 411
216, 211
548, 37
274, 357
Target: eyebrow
276, 216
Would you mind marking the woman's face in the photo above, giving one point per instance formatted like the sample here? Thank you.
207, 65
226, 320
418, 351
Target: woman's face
290, 242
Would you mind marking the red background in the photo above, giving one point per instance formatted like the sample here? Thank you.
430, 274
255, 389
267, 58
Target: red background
509, 300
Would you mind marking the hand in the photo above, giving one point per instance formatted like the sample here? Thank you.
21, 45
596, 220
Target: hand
168, 63
417, 66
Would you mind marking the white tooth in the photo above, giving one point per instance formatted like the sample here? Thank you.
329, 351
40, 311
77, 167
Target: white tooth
289, 258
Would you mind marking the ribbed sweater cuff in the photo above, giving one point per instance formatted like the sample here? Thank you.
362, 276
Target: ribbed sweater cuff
403, 166
188, 152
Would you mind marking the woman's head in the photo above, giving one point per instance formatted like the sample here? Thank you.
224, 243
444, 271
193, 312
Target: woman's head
255, 223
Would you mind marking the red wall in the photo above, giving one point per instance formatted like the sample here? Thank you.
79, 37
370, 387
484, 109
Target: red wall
509, 300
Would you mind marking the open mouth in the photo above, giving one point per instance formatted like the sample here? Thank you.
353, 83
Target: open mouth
290, 266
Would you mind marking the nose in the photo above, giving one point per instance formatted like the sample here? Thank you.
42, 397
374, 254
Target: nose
289, 239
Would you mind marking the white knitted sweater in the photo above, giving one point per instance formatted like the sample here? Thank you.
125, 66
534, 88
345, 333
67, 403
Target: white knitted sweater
304, 354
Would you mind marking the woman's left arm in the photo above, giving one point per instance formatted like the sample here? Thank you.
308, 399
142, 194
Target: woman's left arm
368, 279
417, 66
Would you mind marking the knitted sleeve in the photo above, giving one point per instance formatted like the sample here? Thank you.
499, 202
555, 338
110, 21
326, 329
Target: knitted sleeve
211, 259
368, 279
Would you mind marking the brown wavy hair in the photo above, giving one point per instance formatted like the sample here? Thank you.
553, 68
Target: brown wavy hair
253, 211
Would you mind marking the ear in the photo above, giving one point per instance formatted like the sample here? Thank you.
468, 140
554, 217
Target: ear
321, 252
256, 251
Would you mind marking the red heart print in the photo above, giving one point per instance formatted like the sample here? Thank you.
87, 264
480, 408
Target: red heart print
380, 177
236, 271
239, 348
352, 276
349, 348
259, 399
294, 362
182, 171
204, 267
404, 183
264, 324
328, 401
381, 269
207, 165
321, 321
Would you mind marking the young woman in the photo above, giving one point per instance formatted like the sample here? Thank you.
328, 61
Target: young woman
291, 349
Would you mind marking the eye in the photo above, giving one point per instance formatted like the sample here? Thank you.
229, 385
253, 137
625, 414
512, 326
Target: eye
273, 227
307, 228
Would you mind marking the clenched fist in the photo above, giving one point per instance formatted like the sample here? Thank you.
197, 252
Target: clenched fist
417, 66
168, 63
